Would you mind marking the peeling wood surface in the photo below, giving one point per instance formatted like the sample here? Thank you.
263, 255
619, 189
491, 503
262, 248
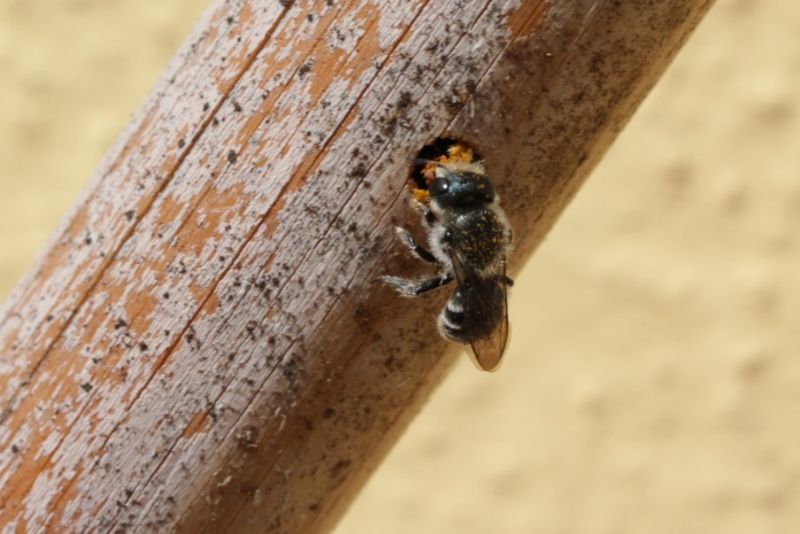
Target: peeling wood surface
203, 345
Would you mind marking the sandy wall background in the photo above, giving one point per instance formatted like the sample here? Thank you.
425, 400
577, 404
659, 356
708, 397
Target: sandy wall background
653, 379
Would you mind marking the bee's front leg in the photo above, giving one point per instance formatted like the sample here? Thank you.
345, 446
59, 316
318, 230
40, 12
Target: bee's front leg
428, 217
415, 288
415, 248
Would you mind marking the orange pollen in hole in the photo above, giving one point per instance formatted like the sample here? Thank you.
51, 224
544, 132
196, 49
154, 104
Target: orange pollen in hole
459, 152
456, 153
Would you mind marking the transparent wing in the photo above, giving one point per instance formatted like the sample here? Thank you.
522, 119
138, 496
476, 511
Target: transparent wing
487, 351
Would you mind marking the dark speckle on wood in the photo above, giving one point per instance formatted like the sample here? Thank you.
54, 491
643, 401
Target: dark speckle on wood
304, 69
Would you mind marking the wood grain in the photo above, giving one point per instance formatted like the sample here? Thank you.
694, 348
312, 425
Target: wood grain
203, 345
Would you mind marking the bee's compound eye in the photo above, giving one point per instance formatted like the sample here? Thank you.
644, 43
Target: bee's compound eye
439, 187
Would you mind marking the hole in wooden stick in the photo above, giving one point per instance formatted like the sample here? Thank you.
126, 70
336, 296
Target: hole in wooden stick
440, 150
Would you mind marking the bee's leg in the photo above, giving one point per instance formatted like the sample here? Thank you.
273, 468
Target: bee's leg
508, 281
414, 288
415, 248
427, 215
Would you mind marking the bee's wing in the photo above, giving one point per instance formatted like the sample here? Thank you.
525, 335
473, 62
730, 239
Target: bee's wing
487, 351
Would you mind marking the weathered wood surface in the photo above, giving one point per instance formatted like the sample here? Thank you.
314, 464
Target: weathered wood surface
203, 345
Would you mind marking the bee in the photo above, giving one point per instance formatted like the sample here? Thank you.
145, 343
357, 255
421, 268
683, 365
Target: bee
469, 238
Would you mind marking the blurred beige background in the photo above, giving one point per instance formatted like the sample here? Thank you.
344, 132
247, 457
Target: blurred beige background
653, 379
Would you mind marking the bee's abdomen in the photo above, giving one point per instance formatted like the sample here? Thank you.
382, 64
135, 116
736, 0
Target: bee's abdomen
451, 320
469, 315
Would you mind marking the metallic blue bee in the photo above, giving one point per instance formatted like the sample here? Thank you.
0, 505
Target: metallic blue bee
469, 238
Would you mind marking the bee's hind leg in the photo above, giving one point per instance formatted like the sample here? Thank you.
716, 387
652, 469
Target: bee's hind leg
415, 248
415, 288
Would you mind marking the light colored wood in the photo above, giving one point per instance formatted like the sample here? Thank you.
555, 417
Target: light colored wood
203, 344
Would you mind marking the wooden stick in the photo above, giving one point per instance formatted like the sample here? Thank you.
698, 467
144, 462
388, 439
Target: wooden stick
203, 344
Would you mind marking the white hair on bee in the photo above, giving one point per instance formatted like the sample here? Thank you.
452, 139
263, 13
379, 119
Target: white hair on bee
453, 167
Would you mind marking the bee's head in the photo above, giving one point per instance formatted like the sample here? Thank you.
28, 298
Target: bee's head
461, 186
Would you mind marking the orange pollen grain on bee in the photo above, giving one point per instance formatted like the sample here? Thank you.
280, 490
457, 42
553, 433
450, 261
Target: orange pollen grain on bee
421, 195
